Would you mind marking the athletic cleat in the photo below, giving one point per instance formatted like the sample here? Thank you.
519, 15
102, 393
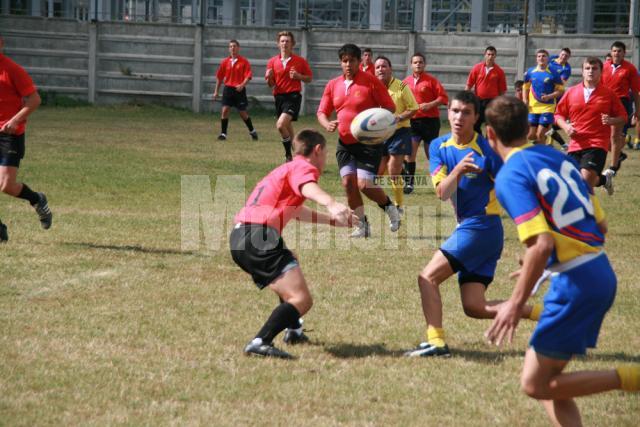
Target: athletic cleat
428, 350
293, 337
43, 211
400, 210
258, 348
222, 137
622, 158
394, 217
565, 147
254, 135
627, 139
362, 230
608, 183
408, 189
4, 235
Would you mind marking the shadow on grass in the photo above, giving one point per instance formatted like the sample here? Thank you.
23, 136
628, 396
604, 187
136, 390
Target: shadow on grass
610, 357
356, 351
133, 248
487, 357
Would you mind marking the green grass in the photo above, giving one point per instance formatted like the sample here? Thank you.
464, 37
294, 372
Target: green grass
105, 320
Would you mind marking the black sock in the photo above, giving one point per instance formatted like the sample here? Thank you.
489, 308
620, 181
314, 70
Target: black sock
411, 171
224, 125
387, 203
249, 124
558, 138
297, 323
29, 194
283, 316
286, 142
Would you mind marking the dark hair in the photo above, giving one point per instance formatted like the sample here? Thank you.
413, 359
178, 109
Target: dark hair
234, 41
592, 60
491, 48
367, 50
306, 140
518, 84
384, 58
619, 45
545, 51
351, 50
566, 49
468, 97
287, 34
421, 55
508, 117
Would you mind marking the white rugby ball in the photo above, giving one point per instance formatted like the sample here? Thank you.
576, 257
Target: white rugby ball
373, 126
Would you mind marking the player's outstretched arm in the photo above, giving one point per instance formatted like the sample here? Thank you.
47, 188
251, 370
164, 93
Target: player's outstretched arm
339, 214
508, 313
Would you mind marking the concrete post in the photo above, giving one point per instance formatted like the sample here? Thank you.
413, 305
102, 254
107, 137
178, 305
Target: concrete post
376, 15
479, 15
197, 70
634, 10
304, 52
4, 7
426, 17
533, 15
411, 49
36, 8
50, 8
267, 13
93, 62
521, 60
584, 22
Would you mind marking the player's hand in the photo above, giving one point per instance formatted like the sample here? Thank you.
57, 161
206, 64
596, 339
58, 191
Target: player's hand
9, 127
239, 88
504, 324
467, 165
571, 131
293, 74
341, 214
332, 126
546, 98
424, 106
215, 94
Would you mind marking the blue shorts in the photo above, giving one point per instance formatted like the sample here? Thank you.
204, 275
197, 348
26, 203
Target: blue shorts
574, 308
474, 248
543, 119
399, 143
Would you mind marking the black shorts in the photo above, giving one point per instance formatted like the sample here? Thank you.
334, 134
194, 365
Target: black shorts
590, 158
11, 149
627, 103
356, 156
481, 118
260, 251
426, 129
289, 103
232, 98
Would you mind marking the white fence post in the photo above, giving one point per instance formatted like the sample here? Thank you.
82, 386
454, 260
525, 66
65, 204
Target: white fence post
93, 62
197, 69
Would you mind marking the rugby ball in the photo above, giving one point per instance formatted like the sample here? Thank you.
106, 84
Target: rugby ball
373, 126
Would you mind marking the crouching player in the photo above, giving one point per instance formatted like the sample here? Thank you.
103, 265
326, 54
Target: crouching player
562, 224
257, 246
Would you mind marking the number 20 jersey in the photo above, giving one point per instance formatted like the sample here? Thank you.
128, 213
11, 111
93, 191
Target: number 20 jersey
543, 191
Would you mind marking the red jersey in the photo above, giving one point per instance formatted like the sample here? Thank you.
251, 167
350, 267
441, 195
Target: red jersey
365, 91
368, 68
586, 117
427, 89
284, 83
276, 198
487, 85
624, 78
233, 73
15, 84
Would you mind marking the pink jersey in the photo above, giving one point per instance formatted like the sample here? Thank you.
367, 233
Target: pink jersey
276, 198
364, 92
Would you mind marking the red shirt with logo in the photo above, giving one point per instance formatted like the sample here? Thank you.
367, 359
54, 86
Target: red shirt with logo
347, 100
284, 83
233, 73
586, 118
487, 85
15, 84
427, 88
624, 78
276, 199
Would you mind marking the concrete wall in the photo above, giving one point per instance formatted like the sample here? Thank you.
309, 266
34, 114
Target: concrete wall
110, 62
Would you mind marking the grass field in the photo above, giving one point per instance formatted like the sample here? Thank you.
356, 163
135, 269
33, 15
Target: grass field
104, 319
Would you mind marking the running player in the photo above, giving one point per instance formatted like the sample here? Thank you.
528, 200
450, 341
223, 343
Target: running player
367, 61
622, 78
399, 145
562, 225
235, 72
425, 125
463, 167
256, 242
542, 86
348, 95
285, 72
560, 63
487, 80
592, 109
18, 99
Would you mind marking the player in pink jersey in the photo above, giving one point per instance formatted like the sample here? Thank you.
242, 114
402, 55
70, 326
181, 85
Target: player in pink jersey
257, 246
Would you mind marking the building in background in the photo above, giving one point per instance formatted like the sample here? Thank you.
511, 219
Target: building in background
500, 16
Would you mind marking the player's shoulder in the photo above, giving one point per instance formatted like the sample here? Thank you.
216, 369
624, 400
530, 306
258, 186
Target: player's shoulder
440, 141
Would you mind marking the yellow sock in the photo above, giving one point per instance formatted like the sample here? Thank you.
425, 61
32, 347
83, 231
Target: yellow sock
636, 140
397, 183
535, 311
629, 377
435, 336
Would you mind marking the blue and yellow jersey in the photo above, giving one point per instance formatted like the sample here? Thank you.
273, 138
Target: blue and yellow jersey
475, 195
403, 98
541, 82
543, 192
563, 70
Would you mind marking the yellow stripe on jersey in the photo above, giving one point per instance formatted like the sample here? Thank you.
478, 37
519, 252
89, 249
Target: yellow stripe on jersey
438, 177
451, 142
597, 207
536, 225
493, 207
